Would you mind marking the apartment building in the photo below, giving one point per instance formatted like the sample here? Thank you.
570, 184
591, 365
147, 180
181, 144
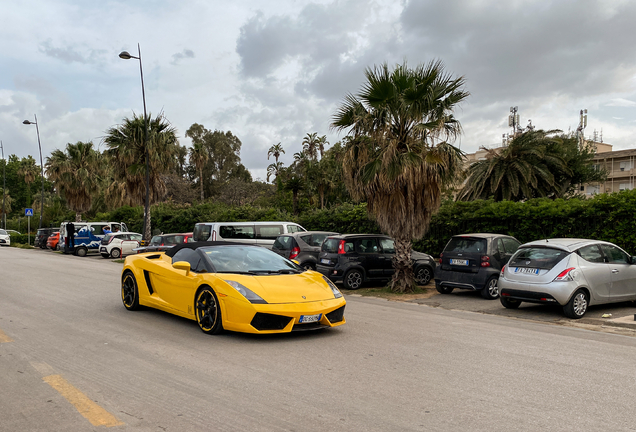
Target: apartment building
619, 165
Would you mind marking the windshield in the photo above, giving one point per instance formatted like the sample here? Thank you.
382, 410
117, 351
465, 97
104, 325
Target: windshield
3, 232
248, 259
466, 245
537, 257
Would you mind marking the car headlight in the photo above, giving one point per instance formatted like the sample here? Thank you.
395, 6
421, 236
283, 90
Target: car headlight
250, 295
334, 288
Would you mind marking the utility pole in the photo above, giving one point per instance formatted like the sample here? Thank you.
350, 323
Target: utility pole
513, 120
4, 187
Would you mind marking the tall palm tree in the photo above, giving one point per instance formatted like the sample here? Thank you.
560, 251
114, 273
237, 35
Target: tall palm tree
310, 145
524, 169
76, 174
276, 150
274, 170
398, 158
199, 157
127, 150
28, 170
322, 143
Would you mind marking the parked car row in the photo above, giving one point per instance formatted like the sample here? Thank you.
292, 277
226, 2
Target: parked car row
573, 273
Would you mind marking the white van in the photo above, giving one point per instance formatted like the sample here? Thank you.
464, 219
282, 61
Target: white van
258, 233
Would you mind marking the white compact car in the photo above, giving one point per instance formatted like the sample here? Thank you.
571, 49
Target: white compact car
5, 238
118, 244
573, 273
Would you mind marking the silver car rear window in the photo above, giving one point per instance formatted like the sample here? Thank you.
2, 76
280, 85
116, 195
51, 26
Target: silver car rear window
537, 257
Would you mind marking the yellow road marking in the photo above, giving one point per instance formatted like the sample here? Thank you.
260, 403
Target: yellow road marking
4, 337
95, 414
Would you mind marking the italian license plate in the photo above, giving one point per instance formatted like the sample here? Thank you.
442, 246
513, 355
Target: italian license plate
309, 318
526, 270
325, 261
459, 262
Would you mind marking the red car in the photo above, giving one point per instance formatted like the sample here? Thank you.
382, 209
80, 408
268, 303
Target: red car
53, 241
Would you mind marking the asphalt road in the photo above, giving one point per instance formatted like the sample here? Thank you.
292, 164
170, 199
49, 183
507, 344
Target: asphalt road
73, 359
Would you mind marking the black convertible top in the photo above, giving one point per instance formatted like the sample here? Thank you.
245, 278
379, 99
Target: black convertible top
195, 245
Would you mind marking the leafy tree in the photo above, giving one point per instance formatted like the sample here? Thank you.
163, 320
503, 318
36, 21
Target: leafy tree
398, 158
276, 150
76, 174
199, 157
223, 150
127, 150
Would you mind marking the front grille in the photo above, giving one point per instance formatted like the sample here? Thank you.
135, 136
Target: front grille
265, 321
336, 316
308, 326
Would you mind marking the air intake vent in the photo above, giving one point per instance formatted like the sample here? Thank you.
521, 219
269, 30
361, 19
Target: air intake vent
153, 256
264, 321
336, 316
148, 284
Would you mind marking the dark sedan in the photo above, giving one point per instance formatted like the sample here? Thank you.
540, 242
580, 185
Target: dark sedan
303, 247
163, 242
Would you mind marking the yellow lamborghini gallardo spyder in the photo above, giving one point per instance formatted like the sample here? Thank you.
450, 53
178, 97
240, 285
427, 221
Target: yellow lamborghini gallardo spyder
231, 286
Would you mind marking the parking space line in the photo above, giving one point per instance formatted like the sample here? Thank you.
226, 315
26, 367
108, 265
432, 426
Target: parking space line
4, 337
95, 414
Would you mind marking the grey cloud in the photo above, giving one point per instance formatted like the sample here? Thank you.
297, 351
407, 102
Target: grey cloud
69, 54
186, 53
514, 49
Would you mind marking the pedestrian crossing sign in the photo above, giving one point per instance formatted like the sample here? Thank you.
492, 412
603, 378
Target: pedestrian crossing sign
28, 212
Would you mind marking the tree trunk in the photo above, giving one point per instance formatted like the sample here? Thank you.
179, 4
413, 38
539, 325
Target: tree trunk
403, 279
321, 191
148, 233
295, 197
78, 217
201, 181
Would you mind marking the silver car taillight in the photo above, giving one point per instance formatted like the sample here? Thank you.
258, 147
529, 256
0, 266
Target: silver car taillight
566, 275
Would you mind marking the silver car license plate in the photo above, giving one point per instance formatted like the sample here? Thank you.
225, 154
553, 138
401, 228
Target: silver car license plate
460, 262
527, 270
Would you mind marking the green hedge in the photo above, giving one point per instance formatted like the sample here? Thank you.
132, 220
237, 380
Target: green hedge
607, 217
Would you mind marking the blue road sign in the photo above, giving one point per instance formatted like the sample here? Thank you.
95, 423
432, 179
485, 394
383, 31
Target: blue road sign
28, 212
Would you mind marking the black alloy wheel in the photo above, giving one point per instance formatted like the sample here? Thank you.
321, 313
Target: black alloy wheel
444, 289
115, 253
129, 291
423, 275
509, 303
208, 311
491, 290
353, 279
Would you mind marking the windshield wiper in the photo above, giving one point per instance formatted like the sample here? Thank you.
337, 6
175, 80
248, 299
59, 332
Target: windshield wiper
281, 271
250, 272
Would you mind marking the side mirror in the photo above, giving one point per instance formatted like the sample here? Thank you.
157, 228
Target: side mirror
182, 265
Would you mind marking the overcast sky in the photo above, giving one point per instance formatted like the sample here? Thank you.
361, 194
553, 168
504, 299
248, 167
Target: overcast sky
273, 71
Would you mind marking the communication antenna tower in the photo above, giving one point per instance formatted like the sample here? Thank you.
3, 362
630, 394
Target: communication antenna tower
580, 130
513, 120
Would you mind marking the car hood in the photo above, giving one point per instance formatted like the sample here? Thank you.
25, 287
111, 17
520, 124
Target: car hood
295, 288
420, 256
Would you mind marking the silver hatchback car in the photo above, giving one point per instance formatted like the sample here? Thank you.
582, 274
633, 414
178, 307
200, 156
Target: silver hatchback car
574, 273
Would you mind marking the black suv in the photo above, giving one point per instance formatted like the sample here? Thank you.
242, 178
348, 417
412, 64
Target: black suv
302, 247
474, 261
356, 258
42, 236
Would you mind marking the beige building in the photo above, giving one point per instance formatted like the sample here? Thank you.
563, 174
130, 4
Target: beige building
620, 171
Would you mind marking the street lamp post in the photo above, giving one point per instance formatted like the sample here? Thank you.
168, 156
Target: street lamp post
4, 187
41, 165
126, 56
